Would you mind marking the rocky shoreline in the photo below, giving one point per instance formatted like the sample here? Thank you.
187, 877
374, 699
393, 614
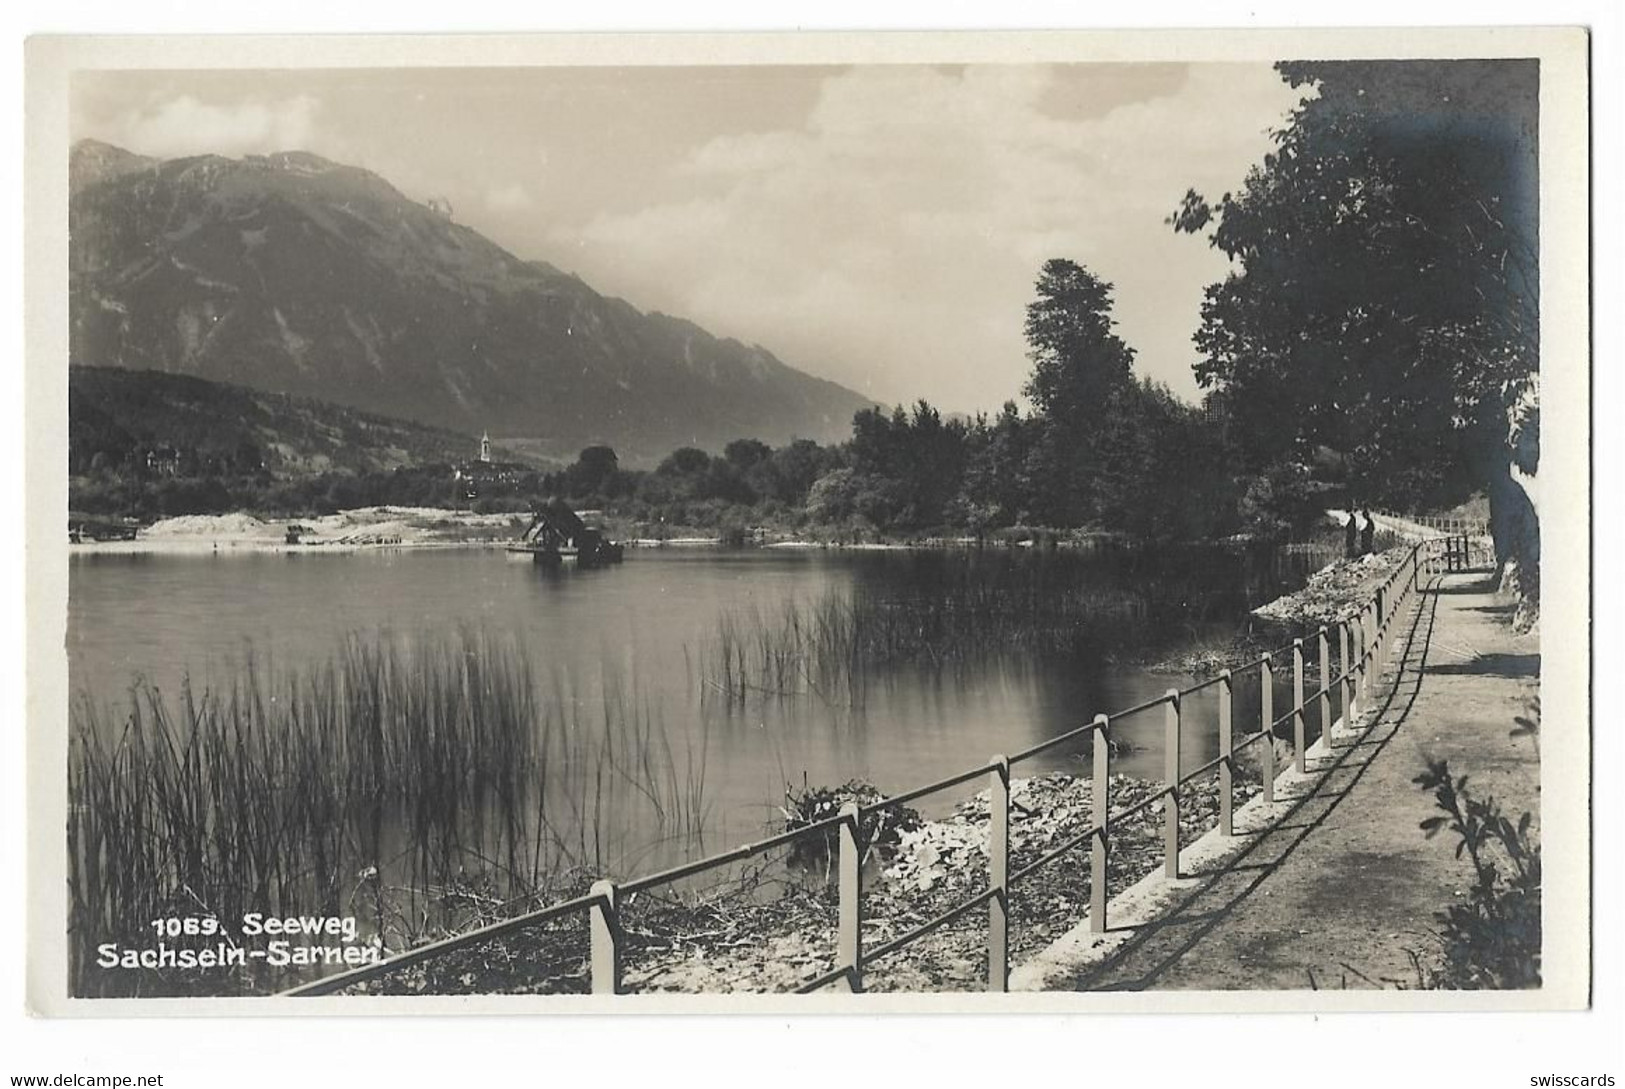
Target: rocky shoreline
1333, 594
765, 930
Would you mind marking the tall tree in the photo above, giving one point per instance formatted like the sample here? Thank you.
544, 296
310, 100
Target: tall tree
1081, 369
1386, 299
593, 468
1077, 360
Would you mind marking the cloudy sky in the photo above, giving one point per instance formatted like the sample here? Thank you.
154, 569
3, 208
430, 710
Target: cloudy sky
881, 226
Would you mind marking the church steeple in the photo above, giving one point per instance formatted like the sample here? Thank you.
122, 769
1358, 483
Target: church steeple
485, 446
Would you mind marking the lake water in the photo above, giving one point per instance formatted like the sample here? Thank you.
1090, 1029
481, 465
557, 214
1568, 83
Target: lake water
643, 633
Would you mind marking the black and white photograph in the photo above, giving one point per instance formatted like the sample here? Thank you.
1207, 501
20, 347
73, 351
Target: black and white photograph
625, 526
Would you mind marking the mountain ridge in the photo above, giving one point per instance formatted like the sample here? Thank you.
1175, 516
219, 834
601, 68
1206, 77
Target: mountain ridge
117, 415
292, 273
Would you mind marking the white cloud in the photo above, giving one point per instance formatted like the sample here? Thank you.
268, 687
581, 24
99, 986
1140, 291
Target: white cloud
186, 126
509, 198
892, 242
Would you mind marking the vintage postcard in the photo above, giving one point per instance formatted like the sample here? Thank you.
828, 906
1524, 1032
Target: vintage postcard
808, 522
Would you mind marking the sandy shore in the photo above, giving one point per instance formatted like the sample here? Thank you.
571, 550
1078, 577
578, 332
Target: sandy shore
401, 527
350, 530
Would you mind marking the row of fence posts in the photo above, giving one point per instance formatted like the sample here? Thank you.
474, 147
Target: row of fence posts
1366, 641
1465, 527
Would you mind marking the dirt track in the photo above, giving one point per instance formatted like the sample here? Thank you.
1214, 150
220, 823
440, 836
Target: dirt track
1344, 889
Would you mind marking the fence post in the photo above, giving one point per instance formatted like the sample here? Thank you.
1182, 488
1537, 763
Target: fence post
1374, 659
1325, 647
1396, 602
1390, 624
605, 940
1345, 641
1373, 664
1170, 767
1299, 726
1100, 804
998, 870
1366, 634
849, 950
1266, 684
1385, 637
1373, 637
1227, 695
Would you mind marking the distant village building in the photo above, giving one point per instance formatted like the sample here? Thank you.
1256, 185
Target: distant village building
163, 461
482, 470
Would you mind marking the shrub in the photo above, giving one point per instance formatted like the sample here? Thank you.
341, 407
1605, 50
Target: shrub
1492, 940
1282, 501
876, 828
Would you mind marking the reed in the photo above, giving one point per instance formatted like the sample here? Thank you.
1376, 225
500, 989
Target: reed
834, 647
959, 610
423, 786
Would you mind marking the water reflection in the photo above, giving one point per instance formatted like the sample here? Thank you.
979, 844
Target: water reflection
631, 639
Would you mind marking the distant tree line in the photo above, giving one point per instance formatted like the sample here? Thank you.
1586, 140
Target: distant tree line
1098, 450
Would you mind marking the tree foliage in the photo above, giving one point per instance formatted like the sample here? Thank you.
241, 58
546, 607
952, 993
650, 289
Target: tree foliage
1078, 362
1080, 380
1385, 302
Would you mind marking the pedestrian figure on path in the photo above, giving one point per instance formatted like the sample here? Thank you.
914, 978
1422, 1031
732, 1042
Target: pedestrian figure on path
1351, 531
1367, 533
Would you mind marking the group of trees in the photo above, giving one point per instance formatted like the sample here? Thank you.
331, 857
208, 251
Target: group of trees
692, 487
1100, 449
1384, 309
1106, 448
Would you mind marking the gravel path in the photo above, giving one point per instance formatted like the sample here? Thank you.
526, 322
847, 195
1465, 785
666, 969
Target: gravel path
1343, 891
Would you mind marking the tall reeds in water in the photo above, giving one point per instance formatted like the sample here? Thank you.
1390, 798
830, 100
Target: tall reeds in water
951, 610
833, 647
420, 786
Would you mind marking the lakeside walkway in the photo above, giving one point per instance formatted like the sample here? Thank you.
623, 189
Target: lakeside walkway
1344, 888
